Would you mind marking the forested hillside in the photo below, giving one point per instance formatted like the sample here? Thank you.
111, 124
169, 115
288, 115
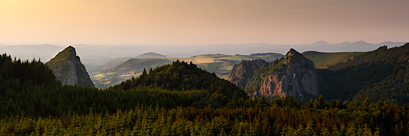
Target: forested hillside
379, 74
182, 76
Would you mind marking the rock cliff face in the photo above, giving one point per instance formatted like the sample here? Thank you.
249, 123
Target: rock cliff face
68, 69
296, 78
244, 71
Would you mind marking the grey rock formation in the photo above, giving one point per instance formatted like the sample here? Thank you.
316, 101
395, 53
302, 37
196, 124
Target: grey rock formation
243, 72
68, 69
297, 77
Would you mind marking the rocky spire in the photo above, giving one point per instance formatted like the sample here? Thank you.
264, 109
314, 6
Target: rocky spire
68, 69
297, 77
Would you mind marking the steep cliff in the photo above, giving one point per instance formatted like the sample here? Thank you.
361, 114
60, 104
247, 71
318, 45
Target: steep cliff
68, 69
244, 71
294, 75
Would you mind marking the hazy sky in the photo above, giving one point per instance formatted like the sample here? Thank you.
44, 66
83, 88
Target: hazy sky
136, 22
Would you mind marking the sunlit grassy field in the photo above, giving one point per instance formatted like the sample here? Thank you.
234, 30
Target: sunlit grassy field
323, 60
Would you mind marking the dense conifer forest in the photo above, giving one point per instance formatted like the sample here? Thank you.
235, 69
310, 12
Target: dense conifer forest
181, 99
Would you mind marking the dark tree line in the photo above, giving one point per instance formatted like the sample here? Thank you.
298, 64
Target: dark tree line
283, 116
26, 71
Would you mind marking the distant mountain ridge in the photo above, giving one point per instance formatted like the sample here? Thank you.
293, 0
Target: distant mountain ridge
68, 69
113, 51
150, 55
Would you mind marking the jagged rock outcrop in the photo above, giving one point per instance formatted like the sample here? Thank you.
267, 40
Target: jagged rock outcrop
296, 77
243, 72
68, 69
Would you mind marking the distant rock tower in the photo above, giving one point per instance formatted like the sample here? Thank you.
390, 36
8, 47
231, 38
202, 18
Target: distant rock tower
298, 76
68, 69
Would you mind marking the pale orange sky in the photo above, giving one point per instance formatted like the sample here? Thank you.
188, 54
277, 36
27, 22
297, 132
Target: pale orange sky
136, 22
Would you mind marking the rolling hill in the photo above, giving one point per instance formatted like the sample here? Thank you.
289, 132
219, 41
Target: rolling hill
150, 55
116, 74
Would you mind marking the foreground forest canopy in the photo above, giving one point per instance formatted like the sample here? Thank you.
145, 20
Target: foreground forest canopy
181, 99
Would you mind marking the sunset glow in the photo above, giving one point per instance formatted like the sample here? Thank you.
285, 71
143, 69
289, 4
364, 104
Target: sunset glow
131, 22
